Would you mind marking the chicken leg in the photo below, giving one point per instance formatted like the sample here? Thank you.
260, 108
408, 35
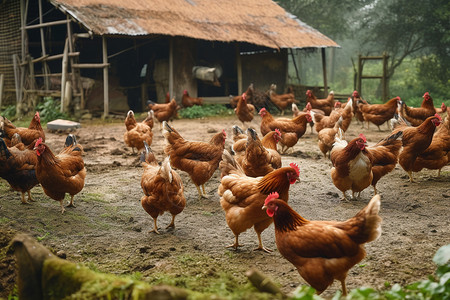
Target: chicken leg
411, 179
62, 206
29, 196
235, 245
172, 224
23, 199
155, 227
260, 245
71, 202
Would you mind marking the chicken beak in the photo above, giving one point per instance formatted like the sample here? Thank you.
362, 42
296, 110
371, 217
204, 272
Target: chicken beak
264, 207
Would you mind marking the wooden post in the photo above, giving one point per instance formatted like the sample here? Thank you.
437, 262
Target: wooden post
16, 77
358, 87
105, 79
67, 95
44, 63
64, 74
171, 68
385, 79
324, 71
2, 78
239, 70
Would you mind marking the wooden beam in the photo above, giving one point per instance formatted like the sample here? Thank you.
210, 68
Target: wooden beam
64, 67
171, 67
324, 71
61, 22
44, 53
91, 66
59, 56
2, 80
239, 69
105, 78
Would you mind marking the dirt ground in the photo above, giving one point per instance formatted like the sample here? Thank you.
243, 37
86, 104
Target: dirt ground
109, 230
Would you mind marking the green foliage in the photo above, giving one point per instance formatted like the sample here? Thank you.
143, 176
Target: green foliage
9, 111
49, 110
207, 110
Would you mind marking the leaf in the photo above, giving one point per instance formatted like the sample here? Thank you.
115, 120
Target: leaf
442, 256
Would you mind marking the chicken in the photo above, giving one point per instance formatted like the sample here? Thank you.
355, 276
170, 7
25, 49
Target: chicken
243, 110
378, 113
257, 160
321, 121
415, 141
198, 159
326, 104
416, 116
323, 251
162, 187
291, 129
167, 98
62, 173
358, 114
385, 156
307, 108
437, 155
281, 101
188, 101
17, 167
242, 197
239, 141
352, 165
347, 114
136, 133
149, 119
164, 111
270, 142
326, 137
29, 135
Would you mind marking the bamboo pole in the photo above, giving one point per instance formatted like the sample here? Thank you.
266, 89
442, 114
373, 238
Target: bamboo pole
324, 71
105, 79
2, 78
44, 53
64, 74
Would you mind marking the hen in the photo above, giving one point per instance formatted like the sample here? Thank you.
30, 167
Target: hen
62, 173
291, 129
188, 101
164, 111
322, 121
308, 108
358, 114
326, 137
17, 167
243, 110
437, 155
29, 135
136, 132
352, 165
162, 187
198, 159
326, 104
415, 141
242, 197
415, 116
378, 113
323, 251
281, 101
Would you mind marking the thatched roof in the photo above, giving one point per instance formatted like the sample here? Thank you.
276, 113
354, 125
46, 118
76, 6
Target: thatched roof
259, 22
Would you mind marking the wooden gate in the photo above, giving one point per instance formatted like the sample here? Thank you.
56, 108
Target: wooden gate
384, 77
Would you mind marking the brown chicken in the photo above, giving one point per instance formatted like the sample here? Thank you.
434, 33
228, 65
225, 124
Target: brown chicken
17, 167
149, 120
385, 156
281, 101
270, 142
358, 114
243, 110
323, 251
308, 108
415, 141
29, 135
62, 173
326, 104
198, 159
442, 110
257, 161
352, 165
347, 114
165, 111
325, 121
239, 142
136, 133
415, 116
326, 137
291, 129
162, 187
242, 197
188, 101
379, 113
437, 155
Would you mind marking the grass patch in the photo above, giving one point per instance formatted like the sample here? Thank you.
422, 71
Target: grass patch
93, 197
207, 110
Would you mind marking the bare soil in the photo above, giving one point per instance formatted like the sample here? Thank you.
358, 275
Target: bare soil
109, 230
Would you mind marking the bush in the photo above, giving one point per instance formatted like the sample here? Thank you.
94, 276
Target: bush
207, 110
49, 110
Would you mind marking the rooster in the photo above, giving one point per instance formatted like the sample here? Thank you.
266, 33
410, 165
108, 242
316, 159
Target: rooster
198, 159
242, 197
323, 251
62, 173
188, 101
415, 116
29, 135
162, 187
17, 167
136, 133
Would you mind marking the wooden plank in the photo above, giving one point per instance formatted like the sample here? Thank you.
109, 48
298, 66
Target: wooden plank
371, 77
91, 66
59, 56
216, 100
324, 71
105, 78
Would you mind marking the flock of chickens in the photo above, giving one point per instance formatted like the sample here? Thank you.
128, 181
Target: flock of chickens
254, 187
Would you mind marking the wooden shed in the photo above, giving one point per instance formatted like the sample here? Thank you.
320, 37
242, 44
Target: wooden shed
113, 55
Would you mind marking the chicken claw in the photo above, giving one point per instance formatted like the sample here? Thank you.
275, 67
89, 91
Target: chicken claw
235, 245
71, 202
262, 248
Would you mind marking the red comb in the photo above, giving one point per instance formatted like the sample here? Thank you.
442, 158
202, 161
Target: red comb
438, 116
363, 137
271, 196
262, 109
38, 142
308, 106
398, 98
426, 95
278, 131
295, 167
224, 133
244, 96
355, 93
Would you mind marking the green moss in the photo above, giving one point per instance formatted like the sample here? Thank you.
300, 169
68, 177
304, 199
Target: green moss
93, 197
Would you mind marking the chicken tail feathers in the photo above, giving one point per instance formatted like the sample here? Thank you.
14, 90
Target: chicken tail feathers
4, 152
70, 140
370, 229
228, 164
166, 170
237, 130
